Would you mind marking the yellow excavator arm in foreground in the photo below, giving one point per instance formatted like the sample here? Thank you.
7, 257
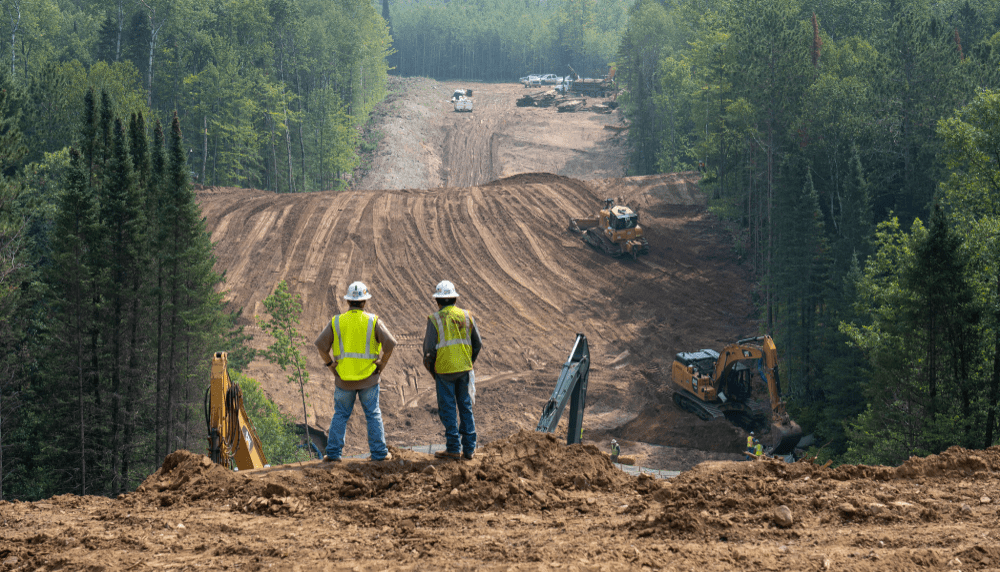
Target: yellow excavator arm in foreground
231, 435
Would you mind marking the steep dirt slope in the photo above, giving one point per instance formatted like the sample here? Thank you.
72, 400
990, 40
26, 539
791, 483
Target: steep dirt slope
531, 283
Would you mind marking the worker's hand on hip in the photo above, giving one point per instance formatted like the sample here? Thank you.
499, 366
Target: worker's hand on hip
379, 366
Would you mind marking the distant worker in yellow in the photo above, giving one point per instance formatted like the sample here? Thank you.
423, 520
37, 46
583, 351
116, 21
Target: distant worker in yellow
356, 338
751, 440
758, 451
451, 344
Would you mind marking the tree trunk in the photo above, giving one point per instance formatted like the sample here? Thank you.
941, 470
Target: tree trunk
288, 147
14, 14
994, 403
204, 152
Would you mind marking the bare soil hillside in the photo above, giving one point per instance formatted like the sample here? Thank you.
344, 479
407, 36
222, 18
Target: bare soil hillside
502, 238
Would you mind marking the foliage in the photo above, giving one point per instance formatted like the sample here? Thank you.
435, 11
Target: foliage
285, 309
501, 40
816, 121
275, 429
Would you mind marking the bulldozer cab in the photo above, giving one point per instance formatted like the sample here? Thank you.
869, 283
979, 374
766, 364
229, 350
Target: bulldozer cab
623, 218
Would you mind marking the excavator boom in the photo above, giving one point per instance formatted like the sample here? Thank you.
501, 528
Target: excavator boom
232, 438
571, 386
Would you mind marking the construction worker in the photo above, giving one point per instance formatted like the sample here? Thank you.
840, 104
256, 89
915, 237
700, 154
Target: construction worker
758, 451
451, 344
615, 451
750, 442
356, 338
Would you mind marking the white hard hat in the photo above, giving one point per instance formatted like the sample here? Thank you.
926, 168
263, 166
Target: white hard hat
445, 289
357, 291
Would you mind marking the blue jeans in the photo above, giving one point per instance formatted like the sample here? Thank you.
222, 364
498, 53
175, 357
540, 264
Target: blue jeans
452, 396
343, 406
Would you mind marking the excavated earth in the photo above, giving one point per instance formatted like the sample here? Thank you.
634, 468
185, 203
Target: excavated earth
483, 199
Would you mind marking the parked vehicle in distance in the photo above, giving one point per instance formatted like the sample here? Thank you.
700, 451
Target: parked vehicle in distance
551, 79
532, 81
461, 99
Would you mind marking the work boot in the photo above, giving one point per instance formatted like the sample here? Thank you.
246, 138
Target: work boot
329, 459
469, 455
447, 455
388, 457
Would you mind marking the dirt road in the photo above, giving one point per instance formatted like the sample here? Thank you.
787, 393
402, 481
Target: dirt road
427, 145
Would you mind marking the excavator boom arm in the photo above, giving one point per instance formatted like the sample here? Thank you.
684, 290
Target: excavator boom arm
232, 436
571, 386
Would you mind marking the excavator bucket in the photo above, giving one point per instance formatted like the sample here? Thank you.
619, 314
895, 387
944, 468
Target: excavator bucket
785, 437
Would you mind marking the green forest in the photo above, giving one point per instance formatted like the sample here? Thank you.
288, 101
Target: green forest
852, 147
110, 113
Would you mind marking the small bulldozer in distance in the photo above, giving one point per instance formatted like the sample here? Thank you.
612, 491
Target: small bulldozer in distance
615, 231
713, 384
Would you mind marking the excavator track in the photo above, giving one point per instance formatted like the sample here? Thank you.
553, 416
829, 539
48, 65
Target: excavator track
691, 404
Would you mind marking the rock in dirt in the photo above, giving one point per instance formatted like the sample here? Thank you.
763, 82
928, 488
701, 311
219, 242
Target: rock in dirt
847, 509
782, 516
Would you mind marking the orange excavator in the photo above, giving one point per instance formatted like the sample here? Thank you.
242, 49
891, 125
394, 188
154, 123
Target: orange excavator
232, 439
714, 384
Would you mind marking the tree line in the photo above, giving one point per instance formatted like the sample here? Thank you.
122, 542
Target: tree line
834, 137
270, 92
502, 40
108, 293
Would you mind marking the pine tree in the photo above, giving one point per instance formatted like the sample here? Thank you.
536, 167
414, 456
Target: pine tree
72, 282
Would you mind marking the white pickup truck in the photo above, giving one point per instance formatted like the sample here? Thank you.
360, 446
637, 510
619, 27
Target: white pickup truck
461, 100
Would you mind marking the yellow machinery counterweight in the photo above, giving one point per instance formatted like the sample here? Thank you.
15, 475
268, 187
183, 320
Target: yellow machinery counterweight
232, 438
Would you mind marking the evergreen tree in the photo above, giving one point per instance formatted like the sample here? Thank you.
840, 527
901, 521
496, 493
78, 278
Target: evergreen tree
72, 283
13, 267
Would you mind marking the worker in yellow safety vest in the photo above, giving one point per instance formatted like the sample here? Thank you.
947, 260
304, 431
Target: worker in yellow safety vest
451, 345
356, 338
758, 451
751, 441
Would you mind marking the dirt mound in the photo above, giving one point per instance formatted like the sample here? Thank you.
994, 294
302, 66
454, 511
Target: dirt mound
522, 472
186, 477
664, 424
533, 179
956, 462
526, 502
717, 499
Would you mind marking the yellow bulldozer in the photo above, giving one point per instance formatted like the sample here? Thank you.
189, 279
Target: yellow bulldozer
615, 231
714, 384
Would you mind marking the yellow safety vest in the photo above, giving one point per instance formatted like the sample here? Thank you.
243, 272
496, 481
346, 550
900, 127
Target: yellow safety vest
354, 345
454, 343
758, 450
749, 442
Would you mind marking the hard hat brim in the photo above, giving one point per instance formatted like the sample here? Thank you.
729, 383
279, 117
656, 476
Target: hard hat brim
454, 295
358, 299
